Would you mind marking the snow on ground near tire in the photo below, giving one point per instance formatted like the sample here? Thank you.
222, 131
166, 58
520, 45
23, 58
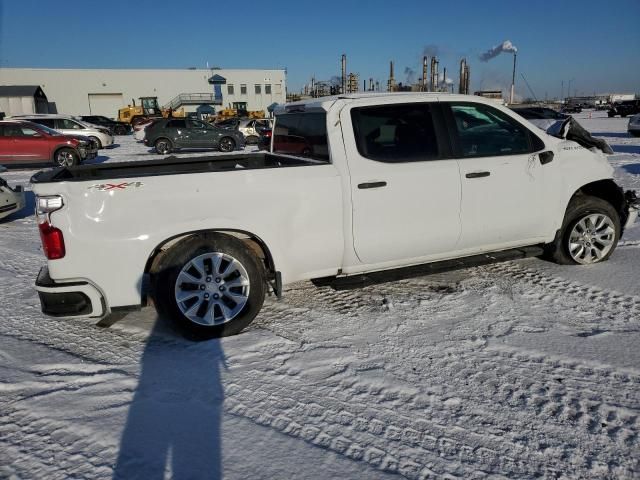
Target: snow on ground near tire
516, 370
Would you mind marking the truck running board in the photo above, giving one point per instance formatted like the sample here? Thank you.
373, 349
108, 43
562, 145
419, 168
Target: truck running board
362, 280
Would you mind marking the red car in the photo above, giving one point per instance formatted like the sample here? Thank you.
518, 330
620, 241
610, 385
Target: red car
23, 142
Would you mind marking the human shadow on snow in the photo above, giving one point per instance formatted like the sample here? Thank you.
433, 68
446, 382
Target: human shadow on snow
174, 420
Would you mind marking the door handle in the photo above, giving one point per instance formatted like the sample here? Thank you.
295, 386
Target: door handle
362, 186
477, 174
545, 157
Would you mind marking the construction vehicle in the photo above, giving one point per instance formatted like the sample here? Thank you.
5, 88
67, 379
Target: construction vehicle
228, 113
147, 109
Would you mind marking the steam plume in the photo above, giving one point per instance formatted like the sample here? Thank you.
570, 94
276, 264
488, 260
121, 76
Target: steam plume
411, 75
505, 46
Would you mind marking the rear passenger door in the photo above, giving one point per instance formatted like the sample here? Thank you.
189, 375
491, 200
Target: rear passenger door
504, 200
405, 187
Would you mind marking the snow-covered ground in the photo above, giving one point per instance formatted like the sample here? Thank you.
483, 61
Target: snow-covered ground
516, 370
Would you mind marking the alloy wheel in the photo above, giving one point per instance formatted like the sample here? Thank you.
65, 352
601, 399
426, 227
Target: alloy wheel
212, 289
591, 238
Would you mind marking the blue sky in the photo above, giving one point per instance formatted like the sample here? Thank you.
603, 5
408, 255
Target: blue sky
595, 44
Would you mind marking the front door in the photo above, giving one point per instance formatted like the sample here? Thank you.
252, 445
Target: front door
405, 187
201, 135
502, 178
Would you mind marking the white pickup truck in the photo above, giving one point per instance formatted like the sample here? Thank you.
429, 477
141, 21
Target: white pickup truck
357, 188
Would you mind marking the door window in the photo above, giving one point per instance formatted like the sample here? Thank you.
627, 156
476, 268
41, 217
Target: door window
66, 124
483, 131
199, 125
176, 124
396, 133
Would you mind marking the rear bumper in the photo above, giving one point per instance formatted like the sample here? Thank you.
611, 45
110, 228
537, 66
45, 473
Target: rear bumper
69, 299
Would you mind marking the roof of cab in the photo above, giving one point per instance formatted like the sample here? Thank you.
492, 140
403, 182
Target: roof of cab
325, 103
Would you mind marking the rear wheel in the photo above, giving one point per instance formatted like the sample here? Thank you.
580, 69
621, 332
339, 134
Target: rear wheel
163, 146
589, 233
212, 285
66, 157
227, 144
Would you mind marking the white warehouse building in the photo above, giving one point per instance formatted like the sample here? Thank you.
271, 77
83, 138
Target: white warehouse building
104, 91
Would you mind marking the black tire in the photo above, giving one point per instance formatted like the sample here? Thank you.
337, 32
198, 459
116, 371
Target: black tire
227, 144
581, 206
120, 130
66, 157
163, 146
97, 142
180, 256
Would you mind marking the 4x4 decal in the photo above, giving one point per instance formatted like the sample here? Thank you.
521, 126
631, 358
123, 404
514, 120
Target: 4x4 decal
115, 186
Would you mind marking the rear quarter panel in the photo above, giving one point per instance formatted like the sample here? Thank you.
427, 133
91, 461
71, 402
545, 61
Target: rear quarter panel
110, 234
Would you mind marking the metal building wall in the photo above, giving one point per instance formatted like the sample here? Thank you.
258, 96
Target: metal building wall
70, 88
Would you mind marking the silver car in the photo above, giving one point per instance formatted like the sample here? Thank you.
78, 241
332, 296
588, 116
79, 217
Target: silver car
634, 125
11, 199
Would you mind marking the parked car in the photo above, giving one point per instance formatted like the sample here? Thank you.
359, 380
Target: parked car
394, 186
264, 142
634, 125
624, 108
572, 108
115, 127
250, 128
139, 130
169, 134
541, 117
23, 142
11, 199
71, 126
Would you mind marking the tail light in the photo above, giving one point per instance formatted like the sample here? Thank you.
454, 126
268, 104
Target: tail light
52, 238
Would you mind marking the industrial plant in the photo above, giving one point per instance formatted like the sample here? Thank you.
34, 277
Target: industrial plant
431, 80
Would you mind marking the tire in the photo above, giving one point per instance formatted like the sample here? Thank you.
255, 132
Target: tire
215, 310
589, 234
163, 146
97, 141
66, 157
227, 144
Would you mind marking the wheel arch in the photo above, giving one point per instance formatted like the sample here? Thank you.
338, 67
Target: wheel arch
606, 190
254, 242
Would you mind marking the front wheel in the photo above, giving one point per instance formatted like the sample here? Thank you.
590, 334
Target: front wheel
66, 157
227, 144
212, 285
97, 142
589, 234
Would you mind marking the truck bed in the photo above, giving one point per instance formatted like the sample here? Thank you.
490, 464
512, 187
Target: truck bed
170, 166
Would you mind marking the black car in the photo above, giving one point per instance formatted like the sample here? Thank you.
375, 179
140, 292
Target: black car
171, 134
624, 108
572, 108
116, 128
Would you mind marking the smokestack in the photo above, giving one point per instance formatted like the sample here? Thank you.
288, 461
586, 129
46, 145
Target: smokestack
463, 64
344, 74
513, 78
424, 73
392, 81
444, 78
371, 87
432, 81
